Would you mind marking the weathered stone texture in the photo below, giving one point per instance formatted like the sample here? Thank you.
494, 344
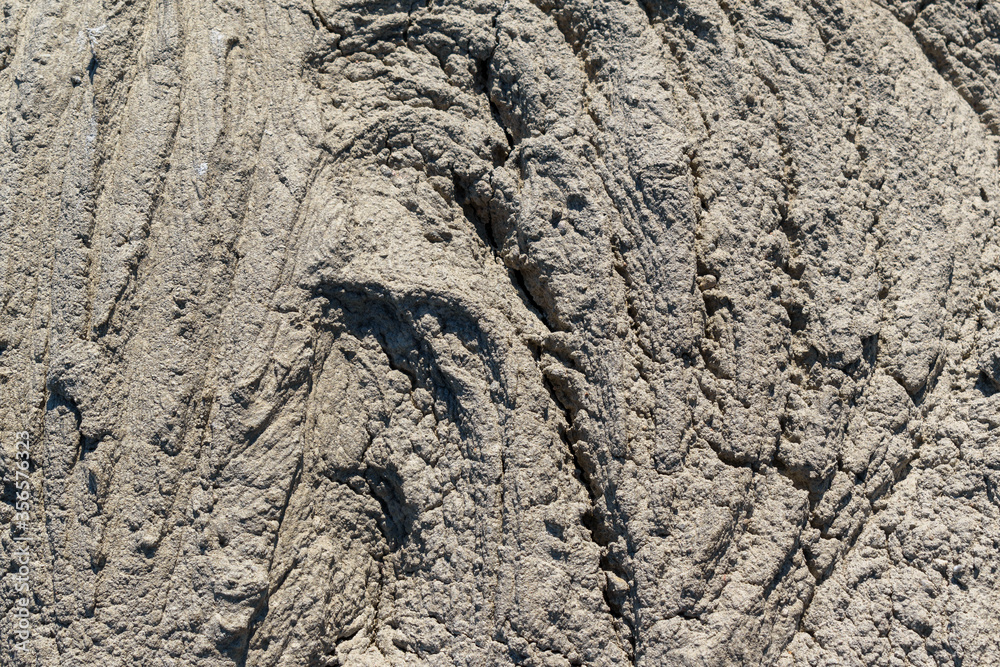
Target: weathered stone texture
482, 332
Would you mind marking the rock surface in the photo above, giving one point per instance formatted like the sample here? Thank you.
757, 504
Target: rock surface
520, 332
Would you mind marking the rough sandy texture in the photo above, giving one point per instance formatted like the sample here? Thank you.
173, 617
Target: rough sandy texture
467, 332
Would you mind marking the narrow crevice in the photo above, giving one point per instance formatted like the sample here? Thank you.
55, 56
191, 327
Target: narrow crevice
410, 373
322, 19
84, 444
342, 639
483, 80
529, 299
134, 264
384, 485
620, 266
598, 526
565, 433
482, 227
807, 600
377, 604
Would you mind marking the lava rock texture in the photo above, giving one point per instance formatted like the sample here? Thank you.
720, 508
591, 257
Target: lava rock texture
502, 332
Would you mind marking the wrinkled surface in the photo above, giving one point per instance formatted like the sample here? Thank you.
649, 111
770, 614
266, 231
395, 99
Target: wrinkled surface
481, 332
